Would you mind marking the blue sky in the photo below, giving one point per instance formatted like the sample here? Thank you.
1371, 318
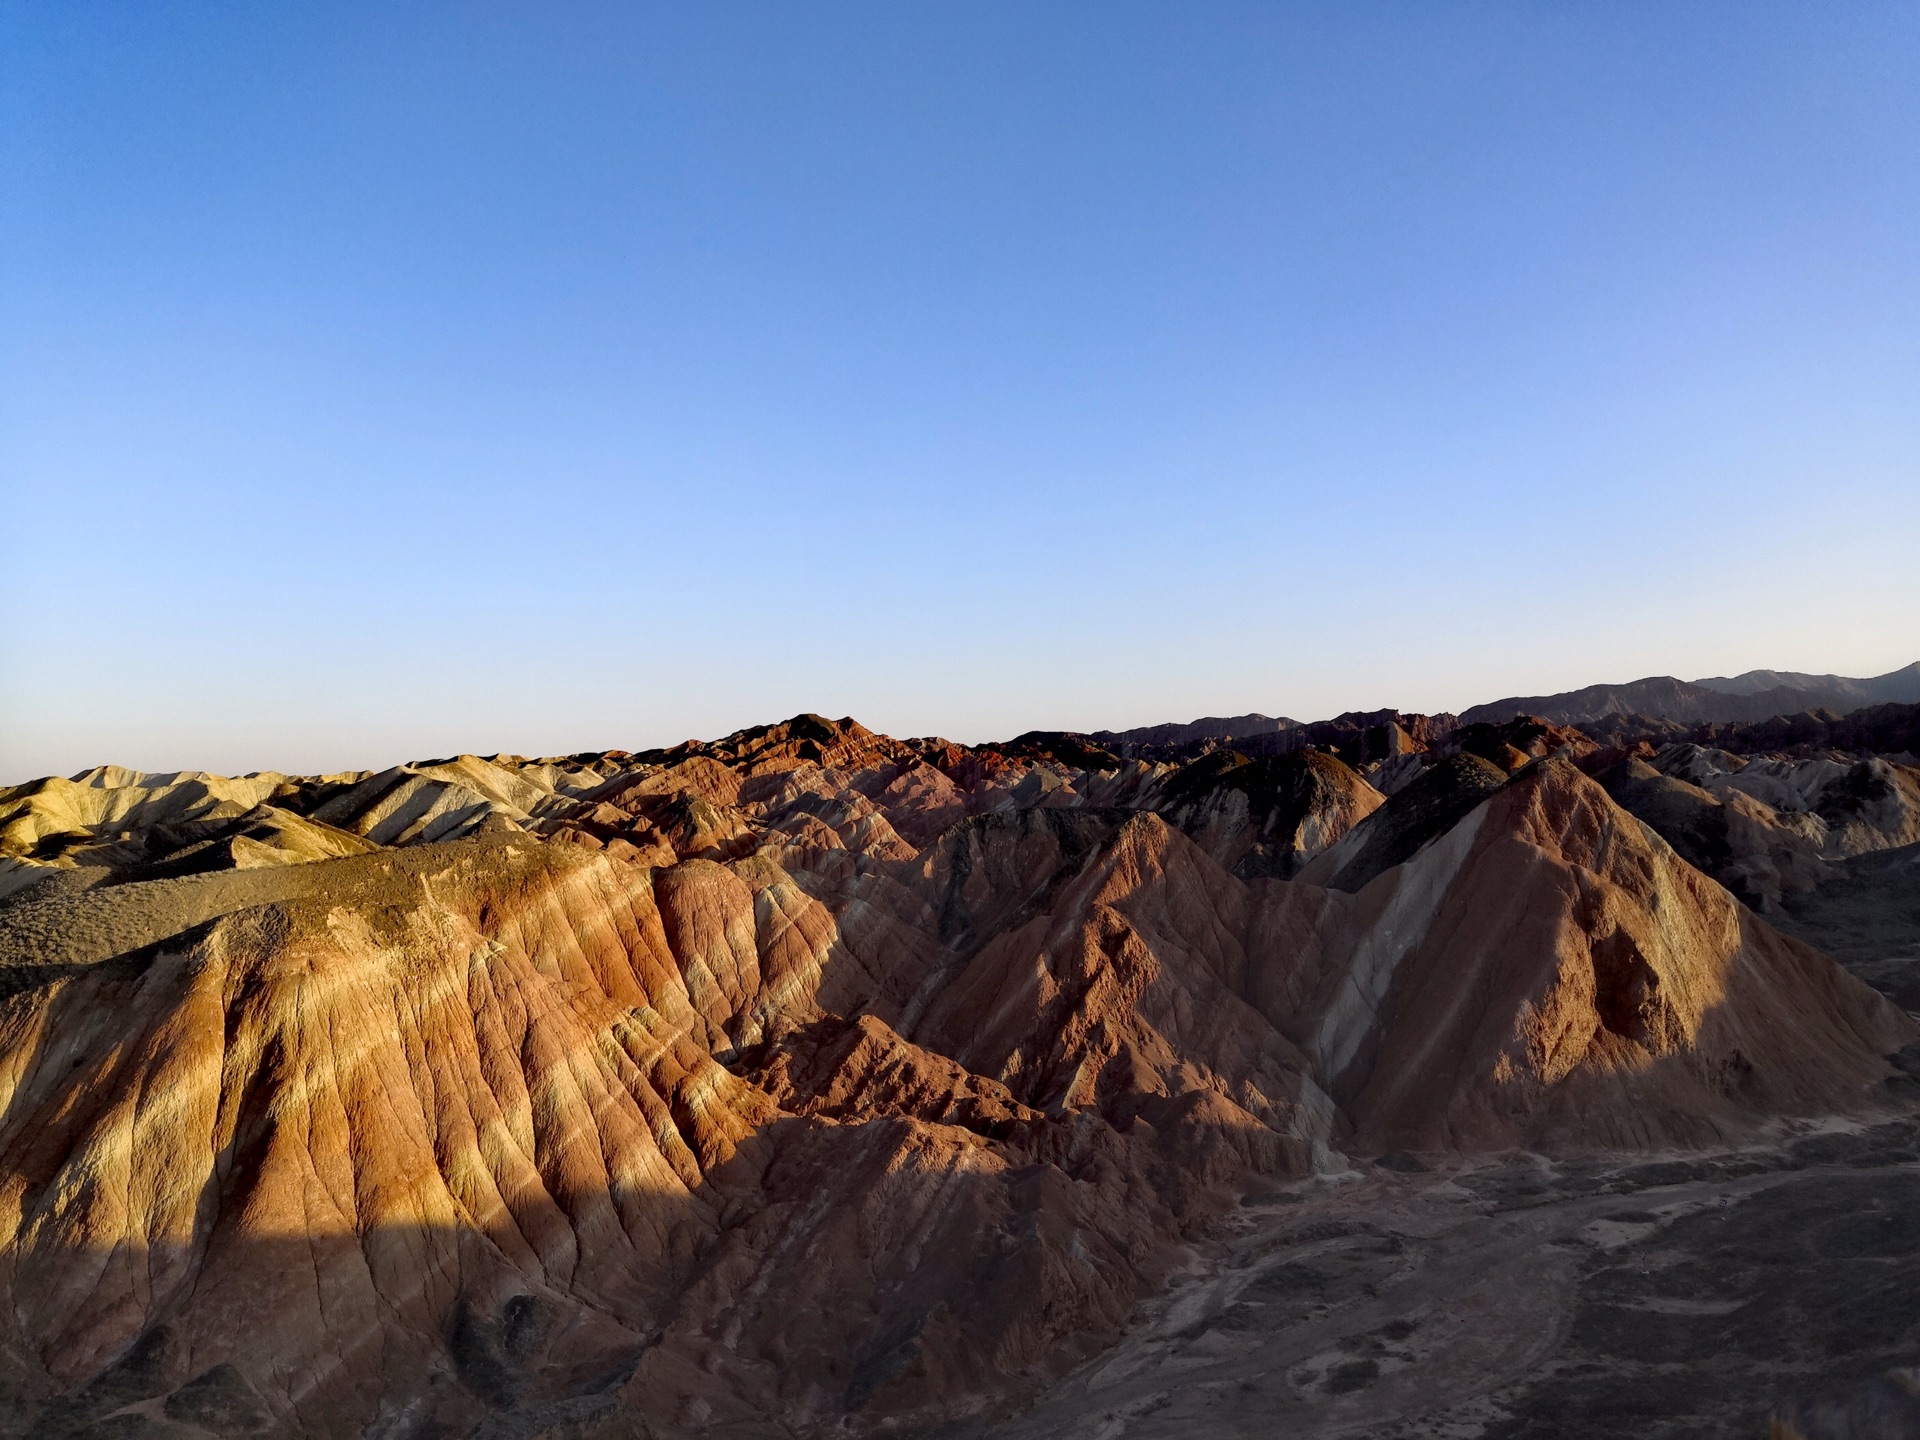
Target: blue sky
384, 381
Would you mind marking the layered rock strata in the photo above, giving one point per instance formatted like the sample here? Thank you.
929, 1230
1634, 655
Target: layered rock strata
808, 1078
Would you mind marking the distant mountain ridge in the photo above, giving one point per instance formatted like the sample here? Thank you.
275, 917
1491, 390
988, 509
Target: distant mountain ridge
1901, 686
1375, 733
1755, 695
1209, 727
1747, 698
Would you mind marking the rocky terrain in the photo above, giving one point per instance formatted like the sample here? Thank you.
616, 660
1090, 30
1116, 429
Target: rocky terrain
1469, 1077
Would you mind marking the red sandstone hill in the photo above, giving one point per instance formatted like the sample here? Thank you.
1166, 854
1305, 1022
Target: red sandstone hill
809, 1078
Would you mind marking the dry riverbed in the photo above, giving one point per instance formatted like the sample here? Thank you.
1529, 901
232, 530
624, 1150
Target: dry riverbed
1528, 1297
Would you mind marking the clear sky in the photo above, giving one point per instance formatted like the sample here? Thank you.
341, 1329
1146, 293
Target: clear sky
394, 380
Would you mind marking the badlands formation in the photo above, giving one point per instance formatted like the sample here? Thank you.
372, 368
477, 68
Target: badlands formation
1394, 1075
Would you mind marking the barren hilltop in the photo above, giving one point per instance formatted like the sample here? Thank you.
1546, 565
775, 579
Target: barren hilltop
1396, 1074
